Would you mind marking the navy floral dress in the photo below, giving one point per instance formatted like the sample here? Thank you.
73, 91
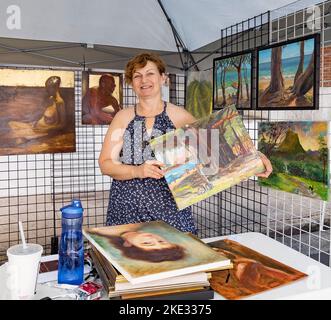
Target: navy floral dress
148, 199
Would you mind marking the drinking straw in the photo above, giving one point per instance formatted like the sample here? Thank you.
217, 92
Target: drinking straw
20, 226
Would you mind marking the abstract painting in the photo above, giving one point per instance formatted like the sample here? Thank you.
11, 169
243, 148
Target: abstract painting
37, 111
199, 93
152, 250
206, 157
233, 81
252, 272
288, 75
102, 94
299, 155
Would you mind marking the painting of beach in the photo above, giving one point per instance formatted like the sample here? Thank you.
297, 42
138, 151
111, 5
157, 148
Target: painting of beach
206, 157
232, 81
287, 75
299, 155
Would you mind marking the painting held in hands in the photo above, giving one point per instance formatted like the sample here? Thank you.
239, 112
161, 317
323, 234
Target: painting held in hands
206, 157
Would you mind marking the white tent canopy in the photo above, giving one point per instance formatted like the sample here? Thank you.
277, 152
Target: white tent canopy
115, 29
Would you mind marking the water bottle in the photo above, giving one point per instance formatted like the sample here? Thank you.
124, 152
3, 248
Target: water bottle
71, 250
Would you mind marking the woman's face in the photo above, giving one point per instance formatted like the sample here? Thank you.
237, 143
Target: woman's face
147, 81
146, 241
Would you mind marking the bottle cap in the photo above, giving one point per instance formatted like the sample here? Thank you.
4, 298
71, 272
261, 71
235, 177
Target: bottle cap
73, 211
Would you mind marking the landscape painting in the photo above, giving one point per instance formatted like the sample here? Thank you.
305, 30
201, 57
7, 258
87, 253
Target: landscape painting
233, 81
199, 93
37, 111
102, 94
299, 155
153, 250
206, 157
288, 75
252, 272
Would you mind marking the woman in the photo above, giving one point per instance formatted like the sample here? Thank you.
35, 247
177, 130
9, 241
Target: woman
139, 191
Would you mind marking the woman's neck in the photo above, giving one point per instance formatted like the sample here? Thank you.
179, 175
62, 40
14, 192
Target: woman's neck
150, 107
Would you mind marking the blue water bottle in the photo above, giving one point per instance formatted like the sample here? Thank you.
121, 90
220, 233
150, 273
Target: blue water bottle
71, 250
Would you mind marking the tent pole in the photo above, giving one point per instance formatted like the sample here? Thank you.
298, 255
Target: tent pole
179, 42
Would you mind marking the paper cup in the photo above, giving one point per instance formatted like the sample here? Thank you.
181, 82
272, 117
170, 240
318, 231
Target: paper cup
23, 269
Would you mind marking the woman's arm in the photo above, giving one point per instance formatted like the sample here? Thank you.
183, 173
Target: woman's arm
109, 162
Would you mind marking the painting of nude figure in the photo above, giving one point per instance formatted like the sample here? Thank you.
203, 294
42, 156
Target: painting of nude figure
252, 271
37, 111
102, 94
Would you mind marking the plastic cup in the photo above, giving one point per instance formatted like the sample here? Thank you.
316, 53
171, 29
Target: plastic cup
23, 270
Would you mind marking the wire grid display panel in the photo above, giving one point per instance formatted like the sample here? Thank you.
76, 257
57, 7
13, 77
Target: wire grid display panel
303, 223
243, 207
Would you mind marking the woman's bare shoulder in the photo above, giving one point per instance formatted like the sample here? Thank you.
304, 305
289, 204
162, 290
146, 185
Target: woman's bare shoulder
179, 115
125, 115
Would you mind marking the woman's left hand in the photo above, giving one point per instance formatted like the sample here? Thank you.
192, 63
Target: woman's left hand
267, 165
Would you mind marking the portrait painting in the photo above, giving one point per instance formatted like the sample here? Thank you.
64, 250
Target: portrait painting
37, 111
252, 272
152, 250
102, 94
199, 93
233, 81
208, 156
299, 155
288, 75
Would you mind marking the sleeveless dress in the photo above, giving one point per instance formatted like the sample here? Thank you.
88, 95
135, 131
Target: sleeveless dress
148, 199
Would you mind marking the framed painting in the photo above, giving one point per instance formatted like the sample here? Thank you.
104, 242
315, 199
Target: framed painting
199, 93
37, 111
102, 94
299, 155
233, 81
288, 75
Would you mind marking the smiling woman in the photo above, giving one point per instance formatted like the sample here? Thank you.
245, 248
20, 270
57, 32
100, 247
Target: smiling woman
139, 191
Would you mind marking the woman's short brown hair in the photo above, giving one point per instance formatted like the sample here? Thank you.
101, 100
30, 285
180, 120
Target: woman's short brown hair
140, 61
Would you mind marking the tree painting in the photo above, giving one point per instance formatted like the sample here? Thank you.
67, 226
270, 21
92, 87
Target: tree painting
232, 81
224, 155
286, 75
299, 155
199, 93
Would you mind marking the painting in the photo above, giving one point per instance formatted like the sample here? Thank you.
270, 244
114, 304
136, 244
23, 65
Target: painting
153, 250
298, 152
207, 156
37, 111
252, 272
102, 94
233, 81
288, 75
199, 93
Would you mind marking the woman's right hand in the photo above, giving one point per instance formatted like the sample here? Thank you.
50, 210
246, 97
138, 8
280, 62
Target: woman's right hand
150, 169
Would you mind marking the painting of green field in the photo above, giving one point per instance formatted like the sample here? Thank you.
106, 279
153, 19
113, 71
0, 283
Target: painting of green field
298, 152
199, 93
206, 157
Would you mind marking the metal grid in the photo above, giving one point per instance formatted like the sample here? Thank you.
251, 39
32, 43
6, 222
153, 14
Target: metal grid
300, 222
243, 207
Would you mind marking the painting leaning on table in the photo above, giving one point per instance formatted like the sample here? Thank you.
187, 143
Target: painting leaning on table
298, 152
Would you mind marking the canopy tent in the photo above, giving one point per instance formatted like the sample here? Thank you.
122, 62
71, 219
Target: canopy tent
104, 34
